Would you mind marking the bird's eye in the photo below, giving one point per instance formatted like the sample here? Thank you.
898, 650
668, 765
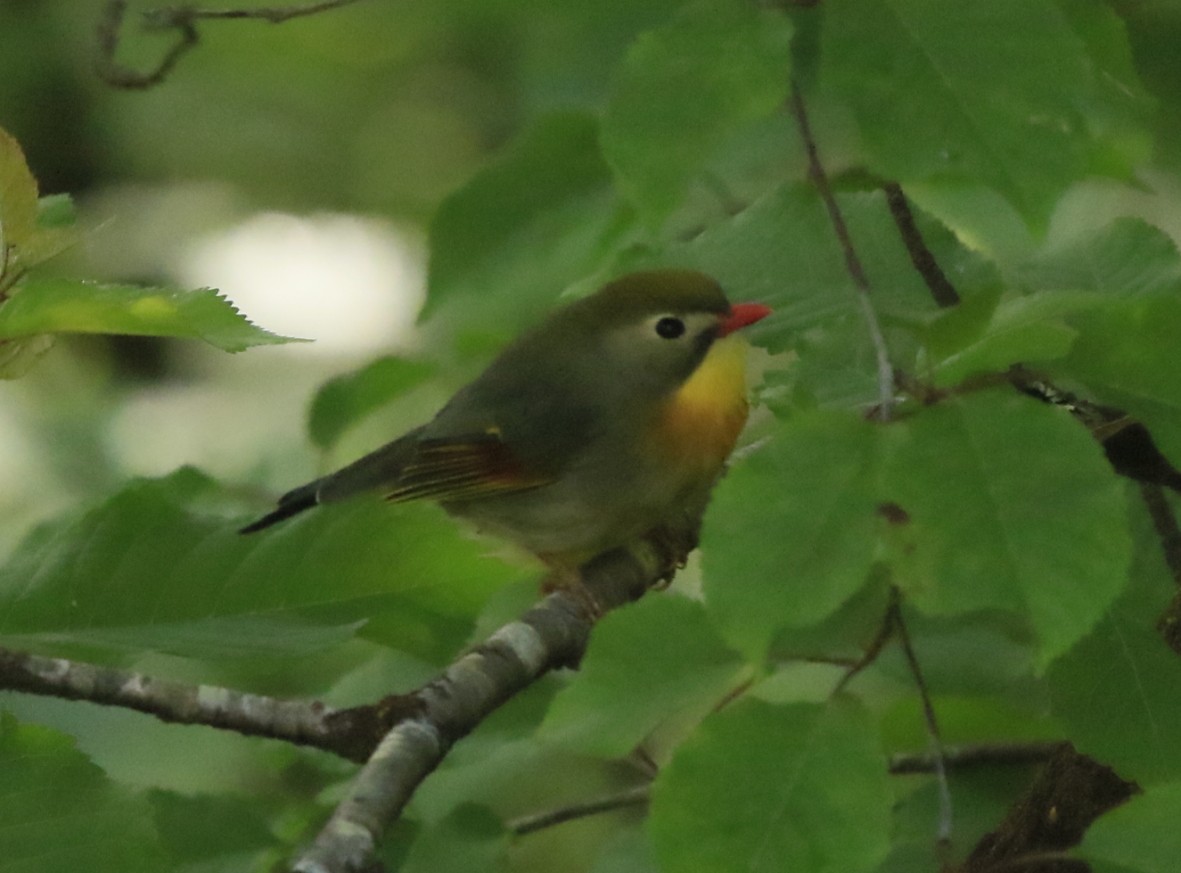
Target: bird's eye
670, 327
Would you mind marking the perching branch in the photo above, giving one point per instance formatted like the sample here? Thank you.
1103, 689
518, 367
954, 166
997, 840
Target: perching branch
182, 19
404, 736
852, 261
552, 634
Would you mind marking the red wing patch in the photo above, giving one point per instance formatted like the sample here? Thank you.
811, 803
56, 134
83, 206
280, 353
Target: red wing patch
462, 468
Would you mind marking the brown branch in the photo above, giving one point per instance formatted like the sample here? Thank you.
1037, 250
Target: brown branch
921, 256
852, 261
1069, 793
182, 19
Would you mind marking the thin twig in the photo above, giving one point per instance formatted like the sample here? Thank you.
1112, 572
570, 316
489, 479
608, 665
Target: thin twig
939, 754
852, 261
182, 19
113, 73
171, 16
529, 823
921, 256
985, 754
883, 635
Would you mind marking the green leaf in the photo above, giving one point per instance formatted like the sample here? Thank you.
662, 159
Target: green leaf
683, 90
17, 356
31, 230
1125, 354
343, 401
1123, 114
51, 791
55, 230
1124, 666
781, 251
1127, 257
18, 198
1010, 505
471, 838
998, 92
162, 556
541, 217
56, 212
1141, 835
791, 529
796, 787
649, 664
629, 851
1021, 330
55, 305
208, 827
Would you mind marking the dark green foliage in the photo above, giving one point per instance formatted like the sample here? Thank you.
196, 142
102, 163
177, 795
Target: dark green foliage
1035, 142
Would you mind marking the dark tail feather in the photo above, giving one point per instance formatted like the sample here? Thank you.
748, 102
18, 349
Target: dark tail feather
291, 503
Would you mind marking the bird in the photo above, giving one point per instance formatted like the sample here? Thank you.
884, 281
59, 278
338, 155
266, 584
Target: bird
608, 421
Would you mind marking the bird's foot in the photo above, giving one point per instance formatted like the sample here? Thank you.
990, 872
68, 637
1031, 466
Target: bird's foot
672, 547
569, 580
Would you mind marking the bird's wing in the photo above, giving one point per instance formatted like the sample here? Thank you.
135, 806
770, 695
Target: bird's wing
461, 468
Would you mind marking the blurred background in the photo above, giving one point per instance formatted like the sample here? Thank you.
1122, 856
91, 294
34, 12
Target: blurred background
294, 168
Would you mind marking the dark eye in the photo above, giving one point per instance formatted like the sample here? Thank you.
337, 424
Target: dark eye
670, 327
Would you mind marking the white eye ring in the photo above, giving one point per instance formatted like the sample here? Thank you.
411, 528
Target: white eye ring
670, 327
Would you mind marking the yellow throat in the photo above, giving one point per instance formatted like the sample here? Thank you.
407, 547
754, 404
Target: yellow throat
700, 423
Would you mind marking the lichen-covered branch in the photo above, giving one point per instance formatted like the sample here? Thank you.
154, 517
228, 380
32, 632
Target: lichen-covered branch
296, 721
552, 634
